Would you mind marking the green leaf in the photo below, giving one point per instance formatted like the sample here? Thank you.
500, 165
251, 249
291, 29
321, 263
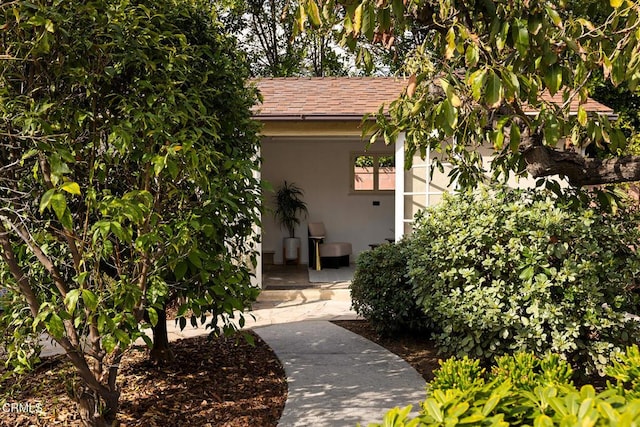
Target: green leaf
55, 327
195, 259
59, 204
459, 409
109, 343
450, 113
148, 341
555, 17
490, 405
494, 91
433, 410
498, 139
357, 19
90, 299
180, 270
398, 8
71, 187
477, 80
472, 55
501, 38
472, 419
123, 337
543, 420
553, 78
521, 36
527, 273
514, 138
71, 300
67, 220
45, 201
314, 13
582, 115
451, 43
153, 316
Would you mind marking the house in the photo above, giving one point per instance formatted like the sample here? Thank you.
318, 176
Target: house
312, 137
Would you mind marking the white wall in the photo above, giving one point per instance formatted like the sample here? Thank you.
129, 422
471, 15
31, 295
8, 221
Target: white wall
321, 168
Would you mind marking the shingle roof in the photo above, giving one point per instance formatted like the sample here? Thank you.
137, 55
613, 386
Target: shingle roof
326, 97
591, 105
299, 98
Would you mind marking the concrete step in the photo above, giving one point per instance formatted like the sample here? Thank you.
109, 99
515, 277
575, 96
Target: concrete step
305, 295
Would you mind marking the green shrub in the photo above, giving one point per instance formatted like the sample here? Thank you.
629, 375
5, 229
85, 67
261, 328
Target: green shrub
500, 398
381, 291
507, 271
462, 374
625, 369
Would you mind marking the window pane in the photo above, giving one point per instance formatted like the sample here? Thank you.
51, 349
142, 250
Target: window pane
386, 173
363, 173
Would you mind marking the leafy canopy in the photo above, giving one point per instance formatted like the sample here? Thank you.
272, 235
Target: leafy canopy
512, 75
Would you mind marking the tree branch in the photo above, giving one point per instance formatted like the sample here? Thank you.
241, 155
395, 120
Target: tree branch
9, 257
546, 161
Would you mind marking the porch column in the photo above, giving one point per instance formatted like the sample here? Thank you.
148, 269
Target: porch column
399, 193
257, 280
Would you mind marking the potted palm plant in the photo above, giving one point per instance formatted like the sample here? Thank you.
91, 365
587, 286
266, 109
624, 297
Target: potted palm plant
289, 207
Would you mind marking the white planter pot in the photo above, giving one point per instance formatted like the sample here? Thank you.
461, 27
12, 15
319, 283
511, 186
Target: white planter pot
291, 247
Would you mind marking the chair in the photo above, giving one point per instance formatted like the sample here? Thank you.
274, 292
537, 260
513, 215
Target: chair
334, 254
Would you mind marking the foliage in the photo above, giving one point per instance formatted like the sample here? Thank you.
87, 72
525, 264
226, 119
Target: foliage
274, 45
506, 270
497, 401
625, 369
127, 176
382, 293
289, 205
512, 75
463, 374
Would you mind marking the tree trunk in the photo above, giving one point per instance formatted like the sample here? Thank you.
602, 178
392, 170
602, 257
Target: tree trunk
161, 351
88, 402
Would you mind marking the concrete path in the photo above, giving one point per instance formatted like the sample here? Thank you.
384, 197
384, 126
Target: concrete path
338, 378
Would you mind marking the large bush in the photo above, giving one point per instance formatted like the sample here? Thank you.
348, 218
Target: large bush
381, 291
505, 270
523, 390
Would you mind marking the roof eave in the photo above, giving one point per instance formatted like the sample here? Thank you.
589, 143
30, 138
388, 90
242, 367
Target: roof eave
309, 117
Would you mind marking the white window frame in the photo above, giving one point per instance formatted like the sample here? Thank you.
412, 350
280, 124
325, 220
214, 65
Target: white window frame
376, 171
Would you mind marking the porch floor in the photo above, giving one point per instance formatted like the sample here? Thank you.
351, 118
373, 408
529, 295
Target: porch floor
289, 277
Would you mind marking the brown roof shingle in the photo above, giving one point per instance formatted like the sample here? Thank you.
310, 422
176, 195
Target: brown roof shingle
298, 98
326, 97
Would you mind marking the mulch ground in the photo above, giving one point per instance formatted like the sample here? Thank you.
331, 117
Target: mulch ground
222, 382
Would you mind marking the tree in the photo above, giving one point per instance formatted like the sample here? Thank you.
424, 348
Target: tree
127, 177
487, 74
274, 44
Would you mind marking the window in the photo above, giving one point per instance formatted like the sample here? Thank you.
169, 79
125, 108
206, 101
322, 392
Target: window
372, 172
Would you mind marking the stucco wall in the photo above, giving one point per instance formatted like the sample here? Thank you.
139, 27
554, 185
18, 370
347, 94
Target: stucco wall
321, 168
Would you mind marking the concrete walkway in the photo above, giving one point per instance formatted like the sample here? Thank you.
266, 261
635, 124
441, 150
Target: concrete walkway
335, 377
338, 378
